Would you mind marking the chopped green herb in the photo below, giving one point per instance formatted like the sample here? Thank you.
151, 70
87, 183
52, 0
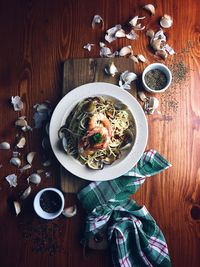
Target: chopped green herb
95, 139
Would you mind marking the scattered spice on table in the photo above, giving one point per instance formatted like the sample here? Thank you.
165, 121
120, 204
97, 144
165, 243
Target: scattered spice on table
155, 79
179, 71
180, 78
45, 236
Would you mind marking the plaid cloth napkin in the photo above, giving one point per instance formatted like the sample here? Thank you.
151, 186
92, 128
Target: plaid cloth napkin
133, 234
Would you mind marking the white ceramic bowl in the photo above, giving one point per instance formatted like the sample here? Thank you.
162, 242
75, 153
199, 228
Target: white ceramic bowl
38, 209
129, 158
162, 68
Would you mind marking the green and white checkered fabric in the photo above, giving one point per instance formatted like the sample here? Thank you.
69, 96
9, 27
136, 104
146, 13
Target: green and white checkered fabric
134, 236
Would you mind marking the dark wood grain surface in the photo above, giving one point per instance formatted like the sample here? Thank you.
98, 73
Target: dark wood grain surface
36, 38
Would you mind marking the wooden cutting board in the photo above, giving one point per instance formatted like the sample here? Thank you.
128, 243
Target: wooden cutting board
78, 72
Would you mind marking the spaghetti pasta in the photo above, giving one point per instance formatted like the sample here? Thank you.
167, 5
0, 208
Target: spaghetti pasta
97, 131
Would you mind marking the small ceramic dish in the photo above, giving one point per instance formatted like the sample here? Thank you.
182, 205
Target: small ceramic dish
156, 78
49, 203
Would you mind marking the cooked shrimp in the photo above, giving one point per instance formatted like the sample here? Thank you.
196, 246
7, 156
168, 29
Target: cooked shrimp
98, 120
94, 140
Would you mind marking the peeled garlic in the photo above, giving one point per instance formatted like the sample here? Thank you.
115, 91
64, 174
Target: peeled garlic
26, 193
34, 178
111, 69
166, 21
30, 157
4, 145
134, 58
21, 143
126, 50
70, 211
150, 8
17, 207
141, 58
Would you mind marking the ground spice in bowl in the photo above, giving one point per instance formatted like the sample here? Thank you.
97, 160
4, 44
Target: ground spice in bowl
155, 79
50, 201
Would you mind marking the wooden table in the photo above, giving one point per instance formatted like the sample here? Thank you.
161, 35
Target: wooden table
36, 38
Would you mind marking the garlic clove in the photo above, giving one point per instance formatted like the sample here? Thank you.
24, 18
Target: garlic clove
26, 193
111, 69
34, 178
21, 143
101, 44
150, 33
17, 207
21, 122
156, 44
70, 211
30, 157
134, 58
166, 21
120, 33
139, 27
126, 50
151, 105
17, 103
129, 77
110, 33
142, 96
97, 19
12, 180
141, 58
126, 79
150, 8
134, 20
25, 167
105, 52
15, 161
4, 146
169, 49
88, 46
132, 35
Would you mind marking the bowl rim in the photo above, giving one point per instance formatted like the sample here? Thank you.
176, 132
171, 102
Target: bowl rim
160, 66
40, 212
